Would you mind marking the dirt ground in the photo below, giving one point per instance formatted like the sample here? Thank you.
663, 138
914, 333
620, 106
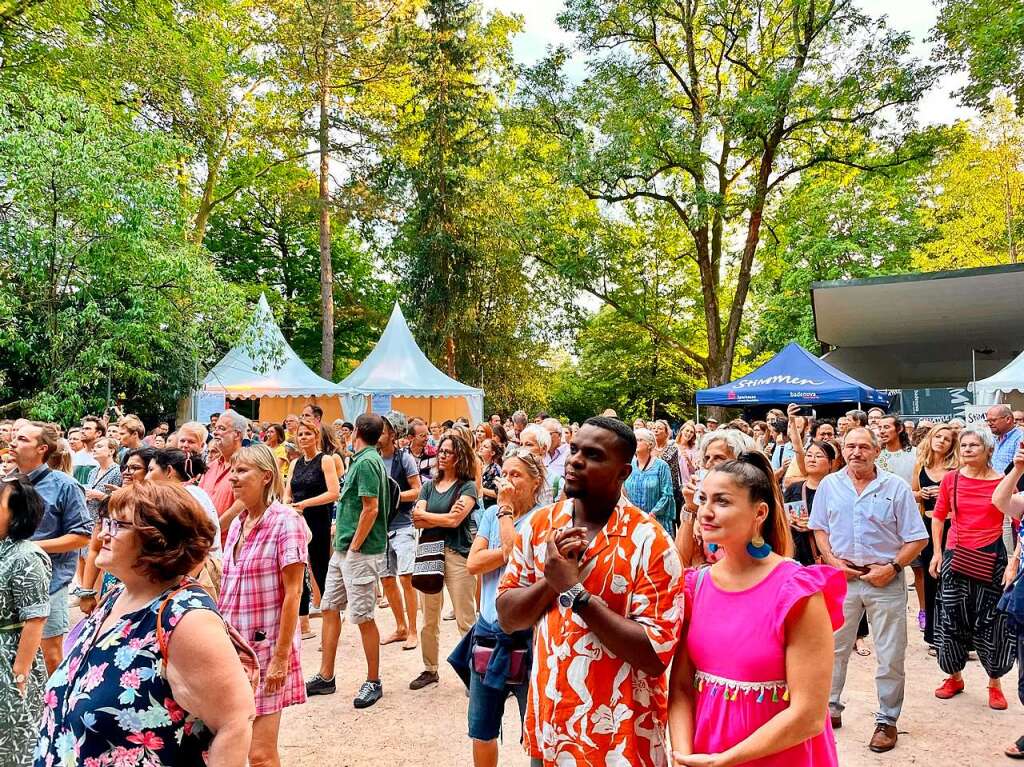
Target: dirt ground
427, 728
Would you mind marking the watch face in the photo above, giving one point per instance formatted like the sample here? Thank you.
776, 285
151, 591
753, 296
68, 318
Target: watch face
565, 600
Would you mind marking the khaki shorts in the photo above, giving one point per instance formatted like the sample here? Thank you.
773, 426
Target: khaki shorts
352, 584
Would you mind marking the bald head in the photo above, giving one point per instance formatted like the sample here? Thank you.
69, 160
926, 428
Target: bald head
999, 419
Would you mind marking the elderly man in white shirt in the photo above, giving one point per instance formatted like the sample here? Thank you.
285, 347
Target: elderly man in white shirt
867, 523
558, 451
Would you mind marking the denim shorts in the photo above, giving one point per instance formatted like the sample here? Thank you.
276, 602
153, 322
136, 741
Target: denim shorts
59, 620
487, 706
401, 552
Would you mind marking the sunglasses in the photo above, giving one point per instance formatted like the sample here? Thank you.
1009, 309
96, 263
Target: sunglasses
445, 451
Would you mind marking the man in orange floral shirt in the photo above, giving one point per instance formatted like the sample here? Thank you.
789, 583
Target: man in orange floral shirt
600, 579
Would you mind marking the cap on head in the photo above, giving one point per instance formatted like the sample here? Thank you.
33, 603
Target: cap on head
397, 422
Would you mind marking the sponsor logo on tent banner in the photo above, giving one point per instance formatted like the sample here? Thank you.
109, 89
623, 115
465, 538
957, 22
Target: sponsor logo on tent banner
770, 380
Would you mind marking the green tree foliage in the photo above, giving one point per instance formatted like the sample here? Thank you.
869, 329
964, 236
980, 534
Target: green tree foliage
836, 224
452, 114
624, 367
267, 240
988, 37
710, 111
976, 200
336, 57
97, 280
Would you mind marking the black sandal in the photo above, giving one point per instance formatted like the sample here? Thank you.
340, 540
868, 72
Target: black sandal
1019, 745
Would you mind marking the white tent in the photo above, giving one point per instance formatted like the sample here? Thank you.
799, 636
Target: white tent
1005, 386
397, 375
263, 366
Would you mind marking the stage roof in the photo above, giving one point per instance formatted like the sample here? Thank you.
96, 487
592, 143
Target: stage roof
919, 330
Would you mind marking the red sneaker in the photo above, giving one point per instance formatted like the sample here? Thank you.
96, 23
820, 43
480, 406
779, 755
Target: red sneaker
996, 699
949, 688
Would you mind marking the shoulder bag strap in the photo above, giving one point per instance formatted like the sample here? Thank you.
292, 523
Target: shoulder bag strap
952, 501
40, 476
161, 635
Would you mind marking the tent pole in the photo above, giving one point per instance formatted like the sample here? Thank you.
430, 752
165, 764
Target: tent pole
697, 417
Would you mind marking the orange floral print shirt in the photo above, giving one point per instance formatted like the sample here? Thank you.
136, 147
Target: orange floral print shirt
586, 706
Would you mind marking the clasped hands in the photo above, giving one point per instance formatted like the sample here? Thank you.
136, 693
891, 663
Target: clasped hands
564, 551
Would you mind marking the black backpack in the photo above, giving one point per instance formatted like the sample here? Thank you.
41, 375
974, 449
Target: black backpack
394, 491
394, 496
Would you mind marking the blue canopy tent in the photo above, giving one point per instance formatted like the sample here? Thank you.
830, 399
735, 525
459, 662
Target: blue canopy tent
792, 375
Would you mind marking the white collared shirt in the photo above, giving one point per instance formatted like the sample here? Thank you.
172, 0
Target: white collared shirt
869, 528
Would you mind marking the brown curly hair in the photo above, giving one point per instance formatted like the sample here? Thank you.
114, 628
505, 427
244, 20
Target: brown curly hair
174, 531
465, 458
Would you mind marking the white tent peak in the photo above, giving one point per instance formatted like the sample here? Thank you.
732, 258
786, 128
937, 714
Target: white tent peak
996, 388
398, 366
263, 364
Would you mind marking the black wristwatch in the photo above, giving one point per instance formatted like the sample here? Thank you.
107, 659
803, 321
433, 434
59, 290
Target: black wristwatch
898, 566
582, 600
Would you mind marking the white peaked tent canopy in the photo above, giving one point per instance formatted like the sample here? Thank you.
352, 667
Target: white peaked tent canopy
263, 365
1005, 386
397, 368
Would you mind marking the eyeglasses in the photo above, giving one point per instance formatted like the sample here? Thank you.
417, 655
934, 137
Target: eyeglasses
110, 526
445, 451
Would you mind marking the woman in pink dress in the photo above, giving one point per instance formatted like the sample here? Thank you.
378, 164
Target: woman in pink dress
750, 680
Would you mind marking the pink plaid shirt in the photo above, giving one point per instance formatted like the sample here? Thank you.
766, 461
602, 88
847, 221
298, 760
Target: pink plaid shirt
252, 593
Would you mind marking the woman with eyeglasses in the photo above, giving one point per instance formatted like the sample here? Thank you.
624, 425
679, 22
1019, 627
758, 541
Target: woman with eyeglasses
96, 581
152, 671
971, 570
136, 465
506, 669
24, 607
442, 515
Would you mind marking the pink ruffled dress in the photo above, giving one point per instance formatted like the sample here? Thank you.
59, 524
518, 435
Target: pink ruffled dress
736, 641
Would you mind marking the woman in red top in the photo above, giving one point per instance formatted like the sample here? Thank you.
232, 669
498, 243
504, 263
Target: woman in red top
971, 570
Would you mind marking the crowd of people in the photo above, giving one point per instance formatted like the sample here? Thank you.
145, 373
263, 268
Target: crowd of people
648, 595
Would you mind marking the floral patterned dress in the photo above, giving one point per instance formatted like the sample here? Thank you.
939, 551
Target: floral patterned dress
110, 705
24, 595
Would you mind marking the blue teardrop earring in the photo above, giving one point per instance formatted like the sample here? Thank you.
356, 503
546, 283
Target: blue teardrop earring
758, 548
712, 547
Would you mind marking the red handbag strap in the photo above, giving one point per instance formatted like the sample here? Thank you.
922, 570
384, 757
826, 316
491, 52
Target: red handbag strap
162, 639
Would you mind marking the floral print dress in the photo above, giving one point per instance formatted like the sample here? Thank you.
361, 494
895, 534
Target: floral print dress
24, 595
110, 705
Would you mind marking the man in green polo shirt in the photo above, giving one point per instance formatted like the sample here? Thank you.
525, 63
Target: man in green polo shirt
360, 556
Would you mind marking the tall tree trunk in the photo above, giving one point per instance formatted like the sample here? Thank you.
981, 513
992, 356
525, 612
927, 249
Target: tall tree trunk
326, 269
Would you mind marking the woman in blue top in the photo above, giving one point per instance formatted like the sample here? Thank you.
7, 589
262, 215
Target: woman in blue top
649, 485
507, 667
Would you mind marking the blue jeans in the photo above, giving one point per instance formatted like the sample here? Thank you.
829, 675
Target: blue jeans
487, 706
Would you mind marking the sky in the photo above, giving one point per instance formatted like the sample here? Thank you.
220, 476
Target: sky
914, 16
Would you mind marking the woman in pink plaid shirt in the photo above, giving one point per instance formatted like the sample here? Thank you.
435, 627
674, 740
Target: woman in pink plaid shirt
264, 559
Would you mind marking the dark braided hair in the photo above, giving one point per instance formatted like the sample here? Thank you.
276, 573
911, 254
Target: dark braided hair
752, 470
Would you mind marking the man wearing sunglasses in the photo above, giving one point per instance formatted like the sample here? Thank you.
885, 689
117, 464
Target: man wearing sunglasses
65, 528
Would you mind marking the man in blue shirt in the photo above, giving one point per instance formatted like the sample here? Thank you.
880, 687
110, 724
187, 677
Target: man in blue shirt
1008, 436
65, 528
868, 525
